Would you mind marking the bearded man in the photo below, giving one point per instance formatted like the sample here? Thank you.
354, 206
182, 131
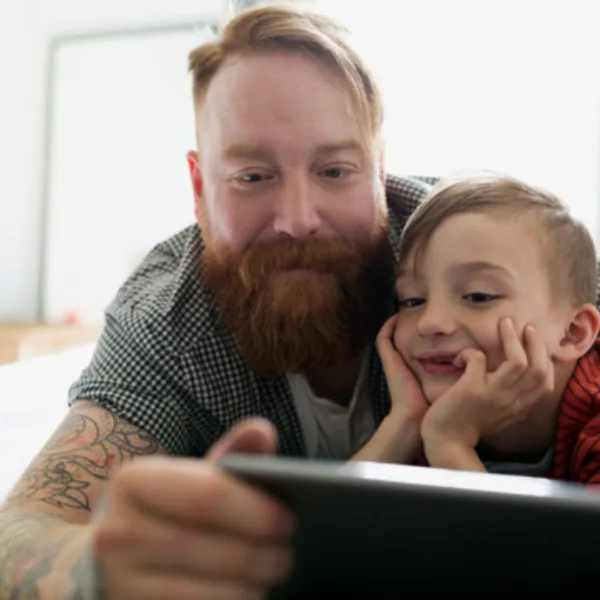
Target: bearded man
250, 331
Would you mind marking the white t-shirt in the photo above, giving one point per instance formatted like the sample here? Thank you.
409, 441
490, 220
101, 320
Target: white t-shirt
332, 431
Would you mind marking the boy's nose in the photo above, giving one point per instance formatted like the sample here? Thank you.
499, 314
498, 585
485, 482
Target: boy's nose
436, 322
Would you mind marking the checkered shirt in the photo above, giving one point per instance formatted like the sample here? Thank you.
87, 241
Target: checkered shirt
166, 363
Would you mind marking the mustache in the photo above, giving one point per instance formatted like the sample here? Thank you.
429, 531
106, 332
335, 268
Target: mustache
324, 256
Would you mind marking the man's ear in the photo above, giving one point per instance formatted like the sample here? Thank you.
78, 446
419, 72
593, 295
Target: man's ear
197, 183
580, 334
381, 162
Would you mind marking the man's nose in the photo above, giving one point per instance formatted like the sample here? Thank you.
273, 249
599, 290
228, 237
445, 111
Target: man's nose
297, 214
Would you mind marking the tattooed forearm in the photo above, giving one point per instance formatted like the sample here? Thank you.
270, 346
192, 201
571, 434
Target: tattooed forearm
87, 579
44, 523
30, 542
84, 451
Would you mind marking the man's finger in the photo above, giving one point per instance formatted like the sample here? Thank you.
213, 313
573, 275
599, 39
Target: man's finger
181, 550
197, 494
157, 586
254, 436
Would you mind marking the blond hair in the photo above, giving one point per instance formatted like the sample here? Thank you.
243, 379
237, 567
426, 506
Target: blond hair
567, 248
289, 29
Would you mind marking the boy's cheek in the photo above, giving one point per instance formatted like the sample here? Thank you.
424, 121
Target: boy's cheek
488, 340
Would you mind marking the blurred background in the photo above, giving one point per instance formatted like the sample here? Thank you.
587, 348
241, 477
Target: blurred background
96, 118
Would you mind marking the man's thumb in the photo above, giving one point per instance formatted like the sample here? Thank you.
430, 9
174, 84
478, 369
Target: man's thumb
254, 436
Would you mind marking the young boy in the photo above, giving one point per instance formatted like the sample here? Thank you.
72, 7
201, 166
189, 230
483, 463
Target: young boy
492, 360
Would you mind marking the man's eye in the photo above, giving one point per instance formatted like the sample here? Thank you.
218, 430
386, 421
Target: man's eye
411, 302
480, 297
334, 173
252, 178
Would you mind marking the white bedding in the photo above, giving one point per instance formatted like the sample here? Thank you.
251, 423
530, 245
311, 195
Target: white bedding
33, 401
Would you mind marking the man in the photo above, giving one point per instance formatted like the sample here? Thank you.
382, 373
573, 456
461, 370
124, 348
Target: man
267, 309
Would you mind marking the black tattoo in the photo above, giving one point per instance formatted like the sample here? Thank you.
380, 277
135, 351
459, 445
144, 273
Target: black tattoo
89, 445
86, 447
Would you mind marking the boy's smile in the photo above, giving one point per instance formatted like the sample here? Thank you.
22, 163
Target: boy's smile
440, 363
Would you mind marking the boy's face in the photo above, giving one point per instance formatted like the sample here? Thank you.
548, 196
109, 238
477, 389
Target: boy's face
475, 270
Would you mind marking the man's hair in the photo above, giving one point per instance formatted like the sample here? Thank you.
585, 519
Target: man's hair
567, 248
289, 29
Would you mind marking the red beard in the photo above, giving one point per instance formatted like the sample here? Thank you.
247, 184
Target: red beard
283, 322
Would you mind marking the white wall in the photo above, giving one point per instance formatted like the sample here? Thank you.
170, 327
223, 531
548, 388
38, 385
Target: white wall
26, 28
509, 85
21, 124
122, 120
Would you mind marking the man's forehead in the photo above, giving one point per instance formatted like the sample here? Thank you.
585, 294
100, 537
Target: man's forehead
257, 91
270, 65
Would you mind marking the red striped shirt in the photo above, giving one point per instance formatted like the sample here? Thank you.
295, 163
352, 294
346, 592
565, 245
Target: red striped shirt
577, 455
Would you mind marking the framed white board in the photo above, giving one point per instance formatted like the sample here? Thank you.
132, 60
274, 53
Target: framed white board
120, 121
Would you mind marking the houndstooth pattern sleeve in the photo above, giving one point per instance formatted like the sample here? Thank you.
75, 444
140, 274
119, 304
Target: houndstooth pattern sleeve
134, 372
140, 384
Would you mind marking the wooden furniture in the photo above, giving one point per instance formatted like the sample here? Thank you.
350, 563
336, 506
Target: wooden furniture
19, 341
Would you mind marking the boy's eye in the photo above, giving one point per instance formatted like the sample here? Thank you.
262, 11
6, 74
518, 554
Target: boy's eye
480, 297
411, 302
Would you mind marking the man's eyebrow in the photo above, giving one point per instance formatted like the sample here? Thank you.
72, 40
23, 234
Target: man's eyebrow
255, 151
333, 147
251, 151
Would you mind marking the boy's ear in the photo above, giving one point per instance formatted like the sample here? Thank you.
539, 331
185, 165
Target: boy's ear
580, 334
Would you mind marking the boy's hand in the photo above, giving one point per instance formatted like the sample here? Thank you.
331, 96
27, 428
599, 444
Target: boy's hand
407, 397
398, 438
482, 403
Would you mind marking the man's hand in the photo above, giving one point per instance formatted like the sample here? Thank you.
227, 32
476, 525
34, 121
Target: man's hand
181, 528
482, 403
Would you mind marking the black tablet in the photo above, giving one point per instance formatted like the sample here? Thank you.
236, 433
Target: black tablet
368, 530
